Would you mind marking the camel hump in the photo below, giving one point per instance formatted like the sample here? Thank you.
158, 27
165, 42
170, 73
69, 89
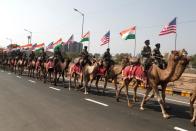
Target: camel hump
134, 60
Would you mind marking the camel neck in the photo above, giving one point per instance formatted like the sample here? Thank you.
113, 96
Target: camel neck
178, 72
168, 72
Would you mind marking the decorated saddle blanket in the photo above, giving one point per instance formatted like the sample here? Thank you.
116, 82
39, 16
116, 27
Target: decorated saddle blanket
75, 69
135, 71
50, 64
101, 71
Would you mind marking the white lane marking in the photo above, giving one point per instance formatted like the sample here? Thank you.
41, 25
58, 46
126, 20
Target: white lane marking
179, 129
9, 73
97, 102
55, 88
31, 81
18, 77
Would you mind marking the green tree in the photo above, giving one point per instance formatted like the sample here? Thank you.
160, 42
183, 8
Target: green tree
193, 61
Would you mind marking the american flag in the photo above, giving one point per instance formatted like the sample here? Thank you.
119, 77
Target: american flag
170, 28
106, 38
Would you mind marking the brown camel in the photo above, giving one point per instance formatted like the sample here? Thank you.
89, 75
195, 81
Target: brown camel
193, 106
155, 76
88, 74
180, 67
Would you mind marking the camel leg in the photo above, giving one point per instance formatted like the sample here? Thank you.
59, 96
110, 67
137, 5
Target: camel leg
144, 98
135, 91
118, 92
127, 95
70, 81
63, 79
85, 86
115, 85
192, 100
96, 83
105, 84
161, 103
75, 81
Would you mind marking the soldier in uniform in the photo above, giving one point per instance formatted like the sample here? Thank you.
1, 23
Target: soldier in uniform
58, 55
85, 56
158, 56
32, 56
43, 55
107, 58
146, 55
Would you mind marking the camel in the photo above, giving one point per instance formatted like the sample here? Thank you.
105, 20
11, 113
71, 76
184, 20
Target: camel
74, 72
180, 67
156, 76
101, 73
59, 67
193, 106
31, 68
88, 74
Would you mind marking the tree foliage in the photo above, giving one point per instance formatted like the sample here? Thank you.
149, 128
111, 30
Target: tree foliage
193, 61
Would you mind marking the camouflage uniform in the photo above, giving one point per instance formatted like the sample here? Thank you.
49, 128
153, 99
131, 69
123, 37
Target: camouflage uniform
32, 56
146, 55
85, 56
107, 58
58, 55
158, 58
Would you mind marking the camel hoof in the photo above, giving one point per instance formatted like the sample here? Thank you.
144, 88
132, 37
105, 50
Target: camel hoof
142, 108
166, 116
85, 93
117, 99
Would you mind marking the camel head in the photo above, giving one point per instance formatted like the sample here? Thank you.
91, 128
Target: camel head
184, 58
175, 55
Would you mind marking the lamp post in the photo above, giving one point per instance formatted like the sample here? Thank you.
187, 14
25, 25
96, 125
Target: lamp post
29, 37
82, 23
82, 18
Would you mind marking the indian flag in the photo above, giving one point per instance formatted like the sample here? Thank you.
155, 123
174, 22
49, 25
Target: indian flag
57, 43
38, 47
128, 33
27, 46
86, 37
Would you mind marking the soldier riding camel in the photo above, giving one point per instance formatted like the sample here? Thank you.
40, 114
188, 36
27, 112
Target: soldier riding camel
158, 57
146, 55
107, 58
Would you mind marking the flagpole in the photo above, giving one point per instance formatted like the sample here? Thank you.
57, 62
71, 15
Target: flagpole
176, 34
135, 42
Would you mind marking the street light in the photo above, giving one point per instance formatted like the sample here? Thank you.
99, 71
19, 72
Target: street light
29, 37
82, 18
9, 40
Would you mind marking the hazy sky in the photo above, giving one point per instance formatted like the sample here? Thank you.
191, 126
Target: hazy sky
50, 20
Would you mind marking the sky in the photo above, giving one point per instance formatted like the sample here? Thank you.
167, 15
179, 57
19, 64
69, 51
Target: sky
49, 20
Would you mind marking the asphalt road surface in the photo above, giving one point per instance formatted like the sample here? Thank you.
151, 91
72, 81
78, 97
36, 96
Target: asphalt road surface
27, 104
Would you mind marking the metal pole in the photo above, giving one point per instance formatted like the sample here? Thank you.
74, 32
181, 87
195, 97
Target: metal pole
135, 42
82, 23
176, 34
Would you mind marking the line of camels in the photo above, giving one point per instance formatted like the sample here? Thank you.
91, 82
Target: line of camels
154, 77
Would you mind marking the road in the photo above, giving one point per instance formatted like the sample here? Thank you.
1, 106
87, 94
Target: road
27, 104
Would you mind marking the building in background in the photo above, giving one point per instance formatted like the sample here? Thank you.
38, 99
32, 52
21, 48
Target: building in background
75, 47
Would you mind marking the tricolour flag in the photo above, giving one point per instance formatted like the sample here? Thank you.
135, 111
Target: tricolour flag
50, 47
128, 33
86, 37
170, 28
38, 47
106, 38
57, 43
69, 41
27, 46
